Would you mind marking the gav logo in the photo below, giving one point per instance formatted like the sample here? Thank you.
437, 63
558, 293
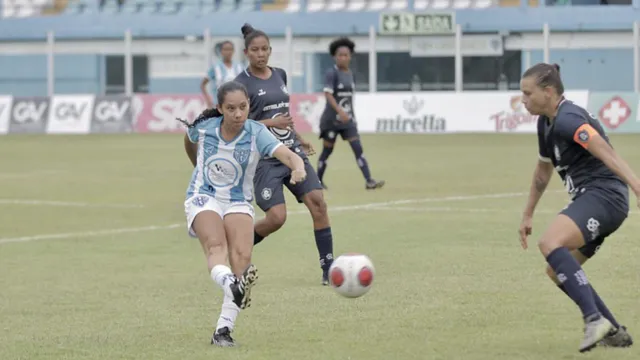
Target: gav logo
514, 118
29, 111
416, 120
71, 110
112, 110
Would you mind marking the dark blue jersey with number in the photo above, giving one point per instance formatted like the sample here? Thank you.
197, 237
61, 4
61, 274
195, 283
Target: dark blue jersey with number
564, 141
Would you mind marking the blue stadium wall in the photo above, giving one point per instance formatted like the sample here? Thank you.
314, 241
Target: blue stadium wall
597, 69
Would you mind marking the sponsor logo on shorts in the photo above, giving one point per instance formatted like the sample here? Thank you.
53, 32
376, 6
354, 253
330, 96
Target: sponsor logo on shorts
266, 193
200, 201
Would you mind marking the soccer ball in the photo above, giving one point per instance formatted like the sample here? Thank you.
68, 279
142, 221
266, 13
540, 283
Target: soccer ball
351, 275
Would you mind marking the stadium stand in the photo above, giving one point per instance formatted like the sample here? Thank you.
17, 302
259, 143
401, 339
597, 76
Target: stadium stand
27, 8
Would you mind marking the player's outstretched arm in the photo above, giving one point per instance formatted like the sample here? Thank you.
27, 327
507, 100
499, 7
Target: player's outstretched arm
598, 147
191, 149
541, 177
293, 162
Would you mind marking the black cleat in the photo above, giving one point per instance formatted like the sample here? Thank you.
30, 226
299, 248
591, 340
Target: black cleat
618, 338
241, 288
373, 184
222, 337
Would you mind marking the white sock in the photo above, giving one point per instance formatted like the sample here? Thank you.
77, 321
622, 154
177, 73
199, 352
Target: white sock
228, 314
220, 274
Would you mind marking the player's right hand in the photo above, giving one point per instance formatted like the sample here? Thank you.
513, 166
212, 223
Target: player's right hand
344, 117
283, 121
298, 176
525, 230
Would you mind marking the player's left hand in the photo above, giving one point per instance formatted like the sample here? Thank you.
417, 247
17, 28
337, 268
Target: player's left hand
525, 230
298, 176
307, 148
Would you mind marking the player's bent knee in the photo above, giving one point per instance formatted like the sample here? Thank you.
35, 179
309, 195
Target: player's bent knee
318, 207
277, 216
352, 139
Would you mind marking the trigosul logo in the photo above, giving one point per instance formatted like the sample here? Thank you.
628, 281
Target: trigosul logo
417, 120
514, 118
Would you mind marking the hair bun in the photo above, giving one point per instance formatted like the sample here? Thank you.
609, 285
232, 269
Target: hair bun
247, 29
557, 67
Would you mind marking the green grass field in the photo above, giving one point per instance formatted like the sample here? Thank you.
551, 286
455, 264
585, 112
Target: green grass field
95, 262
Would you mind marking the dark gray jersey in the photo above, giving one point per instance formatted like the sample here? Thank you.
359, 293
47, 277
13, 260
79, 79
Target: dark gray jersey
342, 86
269, 98
563, 142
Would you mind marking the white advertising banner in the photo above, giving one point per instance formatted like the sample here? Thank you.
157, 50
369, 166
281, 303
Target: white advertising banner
446, 112
70, 114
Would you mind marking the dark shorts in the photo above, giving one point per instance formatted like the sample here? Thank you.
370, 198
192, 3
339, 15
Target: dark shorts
269, 178
346, 132
598, 214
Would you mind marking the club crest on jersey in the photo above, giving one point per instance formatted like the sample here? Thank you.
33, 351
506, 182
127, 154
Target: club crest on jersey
284, 89
266, 193
241, 155
200, 201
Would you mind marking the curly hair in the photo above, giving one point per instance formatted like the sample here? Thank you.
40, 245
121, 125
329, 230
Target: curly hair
340, 42
214, 112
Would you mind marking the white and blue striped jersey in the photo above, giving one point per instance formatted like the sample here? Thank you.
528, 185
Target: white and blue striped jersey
219, 73
225, 170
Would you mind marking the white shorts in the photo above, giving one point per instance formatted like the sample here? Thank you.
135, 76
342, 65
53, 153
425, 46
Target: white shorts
199, 203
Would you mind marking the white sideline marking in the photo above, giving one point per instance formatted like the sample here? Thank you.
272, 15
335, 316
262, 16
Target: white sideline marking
66, 203
87, 233
457, 210
331, 210
416, 201
39, 174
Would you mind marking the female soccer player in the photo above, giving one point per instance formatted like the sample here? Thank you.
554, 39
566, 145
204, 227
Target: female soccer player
225, 147
269, 100
596, 178
338, 117
221, 71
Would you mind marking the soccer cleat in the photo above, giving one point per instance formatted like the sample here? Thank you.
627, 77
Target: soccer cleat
594, 331
617, 338
373, 184
222, 337
241, 288
325, 277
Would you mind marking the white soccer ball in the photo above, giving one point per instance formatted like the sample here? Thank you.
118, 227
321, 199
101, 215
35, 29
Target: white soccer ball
351, 275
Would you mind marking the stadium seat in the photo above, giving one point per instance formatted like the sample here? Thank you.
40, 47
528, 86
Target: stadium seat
277, 5
356, 5
248, 5
336, 5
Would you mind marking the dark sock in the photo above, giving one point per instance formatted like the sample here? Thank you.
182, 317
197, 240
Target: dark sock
324, 242
362, 162
322, 161
257, 238
575, 282
602, 308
